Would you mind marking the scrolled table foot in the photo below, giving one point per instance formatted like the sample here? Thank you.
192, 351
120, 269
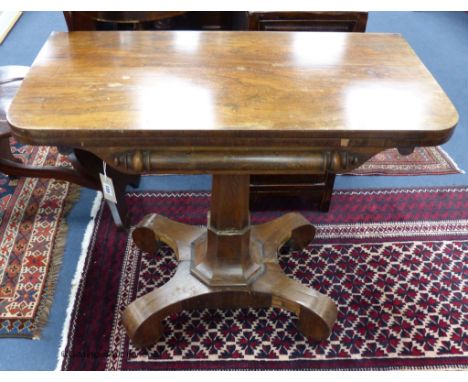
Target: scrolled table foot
292, 227
143, 318
145, 239
176, 235
316, 312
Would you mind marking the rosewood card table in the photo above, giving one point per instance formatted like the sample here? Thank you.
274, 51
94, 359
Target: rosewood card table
230, 104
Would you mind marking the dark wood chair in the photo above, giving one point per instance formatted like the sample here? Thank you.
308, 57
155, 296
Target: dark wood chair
86, 167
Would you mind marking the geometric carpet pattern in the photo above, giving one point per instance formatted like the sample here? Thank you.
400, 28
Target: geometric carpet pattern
423, 161
399, 280
32, 237
396, 300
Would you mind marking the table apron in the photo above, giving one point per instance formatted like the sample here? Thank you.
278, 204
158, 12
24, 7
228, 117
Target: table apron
236, 161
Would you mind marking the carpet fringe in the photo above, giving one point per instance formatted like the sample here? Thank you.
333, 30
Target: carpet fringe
56, 257
77, 277
452, 162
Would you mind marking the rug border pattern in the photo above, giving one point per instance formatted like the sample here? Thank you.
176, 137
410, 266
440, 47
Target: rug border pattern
443, 165
434, 231
31, 325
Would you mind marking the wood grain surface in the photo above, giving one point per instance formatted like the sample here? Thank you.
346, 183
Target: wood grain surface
88, 87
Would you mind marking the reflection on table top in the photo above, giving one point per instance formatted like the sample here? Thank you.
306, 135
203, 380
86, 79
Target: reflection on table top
288, 84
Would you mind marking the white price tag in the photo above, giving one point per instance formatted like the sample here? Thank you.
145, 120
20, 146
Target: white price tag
108, 188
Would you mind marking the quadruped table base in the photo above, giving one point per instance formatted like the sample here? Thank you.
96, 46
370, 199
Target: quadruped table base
228, 264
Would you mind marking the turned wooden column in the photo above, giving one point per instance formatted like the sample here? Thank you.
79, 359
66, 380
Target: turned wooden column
225, 257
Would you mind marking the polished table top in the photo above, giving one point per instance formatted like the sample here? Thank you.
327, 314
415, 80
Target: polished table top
85, 88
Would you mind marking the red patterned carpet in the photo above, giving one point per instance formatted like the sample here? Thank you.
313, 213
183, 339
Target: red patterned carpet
32, 239
423, 161
394, 261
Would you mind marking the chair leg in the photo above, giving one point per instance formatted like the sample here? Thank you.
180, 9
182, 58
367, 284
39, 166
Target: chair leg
14, 167
327, 192
85, 172
86, 162
5, 150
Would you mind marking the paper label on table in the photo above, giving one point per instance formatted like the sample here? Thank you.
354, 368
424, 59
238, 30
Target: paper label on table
108, 188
